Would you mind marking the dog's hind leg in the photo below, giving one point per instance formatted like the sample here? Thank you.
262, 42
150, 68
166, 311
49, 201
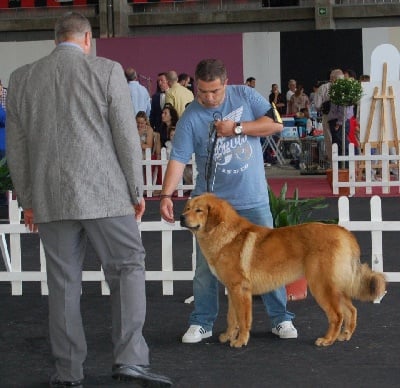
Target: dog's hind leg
350, 319
241, 299
329, 300
232, 329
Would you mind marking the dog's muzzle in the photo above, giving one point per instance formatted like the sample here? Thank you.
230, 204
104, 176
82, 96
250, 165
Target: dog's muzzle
185, 225
183, 221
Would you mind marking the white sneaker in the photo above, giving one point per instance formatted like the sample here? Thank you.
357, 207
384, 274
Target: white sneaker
285, 330
195, 334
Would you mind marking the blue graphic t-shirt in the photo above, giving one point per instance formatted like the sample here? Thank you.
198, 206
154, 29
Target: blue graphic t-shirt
237, 169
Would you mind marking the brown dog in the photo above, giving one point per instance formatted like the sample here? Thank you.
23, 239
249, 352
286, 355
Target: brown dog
250, 259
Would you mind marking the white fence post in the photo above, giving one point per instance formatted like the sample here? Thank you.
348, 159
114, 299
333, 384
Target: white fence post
15, 243
376, 235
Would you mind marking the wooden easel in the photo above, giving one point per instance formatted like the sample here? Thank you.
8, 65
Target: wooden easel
382, 128
383, 97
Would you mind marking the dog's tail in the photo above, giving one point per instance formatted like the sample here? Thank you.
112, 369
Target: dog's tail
370, 285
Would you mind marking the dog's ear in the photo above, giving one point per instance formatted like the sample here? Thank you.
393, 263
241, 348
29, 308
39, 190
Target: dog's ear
214, 216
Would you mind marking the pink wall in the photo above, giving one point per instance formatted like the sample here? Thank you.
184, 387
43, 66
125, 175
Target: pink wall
153, 55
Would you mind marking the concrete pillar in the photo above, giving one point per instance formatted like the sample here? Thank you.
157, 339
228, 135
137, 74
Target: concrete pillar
323, 15
120, 16
113, 18
103, 20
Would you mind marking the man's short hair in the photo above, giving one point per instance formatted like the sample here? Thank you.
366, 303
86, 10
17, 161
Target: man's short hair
131, 74
210, 70
69, 25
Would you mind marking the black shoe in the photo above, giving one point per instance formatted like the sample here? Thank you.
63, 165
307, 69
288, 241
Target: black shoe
56, 382
140, 374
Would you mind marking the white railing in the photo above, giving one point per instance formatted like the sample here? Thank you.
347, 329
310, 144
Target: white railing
376, 226
167, 275
363, 169
12, 256
151, 174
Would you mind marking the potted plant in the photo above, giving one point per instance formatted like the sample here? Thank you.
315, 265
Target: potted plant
286, 212
345, 92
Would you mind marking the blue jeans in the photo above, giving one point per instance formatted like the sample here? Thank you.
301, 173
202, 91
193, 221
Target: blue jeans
205, 285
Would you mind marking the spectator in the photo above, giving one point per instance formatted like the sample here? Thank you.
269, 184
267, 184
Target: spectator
184, 79
168, 143
322, 103
169, 118
158, 102
251, 82
349, 73
278, 99
139, 94
3, 95
177, 95
298, 101
291, 89
146, 134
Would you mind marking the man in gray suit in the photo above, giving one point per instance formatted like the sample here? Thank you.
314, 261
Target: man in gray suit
75, 160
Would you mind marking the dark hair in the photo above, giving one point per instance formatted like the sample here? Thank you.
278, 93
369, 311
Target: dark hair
158, 89
183, 77
173, 112
250, 79
210, 70
351, 73
69, 25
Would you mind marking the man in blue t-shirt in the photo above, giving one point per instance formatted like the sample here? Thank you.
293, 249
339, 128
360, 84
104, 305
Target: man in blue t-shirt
222, 126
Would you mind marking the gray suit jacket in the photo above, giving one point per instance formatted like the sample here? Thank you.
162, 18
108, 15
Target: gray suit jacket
73, 147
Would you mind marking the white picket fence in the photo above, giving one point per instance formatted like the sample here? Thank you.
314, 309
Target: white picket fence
12, 253
376, 226
151, 173
12, 256
388, 165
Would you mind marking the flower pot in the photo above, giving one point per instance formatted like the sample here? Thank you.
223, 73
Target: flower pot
343, 176
297, 290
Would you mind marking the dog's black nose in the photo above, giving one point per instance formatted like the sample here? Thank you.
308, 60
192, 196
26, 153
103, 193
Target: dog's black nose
183, 220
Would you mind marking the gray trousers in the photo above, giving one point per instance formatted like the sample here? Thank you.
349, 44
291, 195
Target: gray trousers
118, 244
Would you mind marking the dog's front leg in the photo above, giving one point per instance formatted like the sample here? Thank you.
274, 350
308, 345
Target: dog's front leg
241, 300
232, 328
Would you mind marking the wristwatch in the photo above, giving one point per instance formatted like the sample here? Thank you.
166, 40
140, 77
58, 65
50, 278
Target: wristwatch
238, 129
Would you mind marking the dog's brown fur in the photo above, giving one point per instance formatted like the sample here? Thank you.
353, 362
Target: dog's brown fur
250, 259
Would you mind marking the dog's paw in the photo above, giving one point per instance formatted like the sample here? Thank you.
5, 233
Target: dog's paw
237, 344
242, 340
344, 336
322, 341
224, 337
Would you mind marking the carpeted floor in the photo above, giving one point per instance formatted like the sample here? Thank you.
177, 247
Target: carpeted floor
318, 186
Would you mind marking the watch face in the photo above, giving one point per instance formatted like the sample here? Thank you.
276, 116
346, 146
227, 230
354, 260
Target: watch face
238, 130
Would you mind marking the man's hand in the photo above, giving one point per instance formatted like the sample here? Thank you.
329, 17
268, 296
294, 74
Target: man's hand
139, 209
225, 128
167, 209
28, 220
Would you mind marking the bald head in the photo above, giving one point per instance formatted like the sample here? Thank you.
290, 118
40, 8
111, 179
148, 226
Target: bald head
131, 74
172, 77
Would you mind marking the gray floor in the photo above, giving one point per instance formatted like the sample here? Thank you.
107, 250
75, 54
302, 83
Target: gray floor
371, 359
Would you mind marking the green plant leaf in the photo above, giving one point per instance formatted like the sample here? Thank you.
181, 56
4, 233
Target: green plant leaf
294, 211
